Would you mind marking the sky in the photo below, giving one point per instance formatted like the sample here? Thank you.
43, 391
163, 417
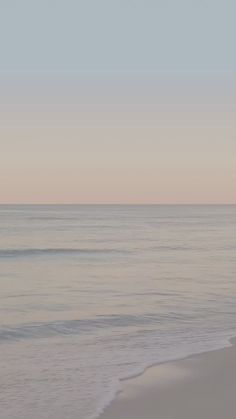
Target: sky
127, 101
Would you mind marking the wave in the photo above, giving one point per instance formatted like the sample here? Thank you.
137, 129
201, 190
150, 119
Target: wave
87, 326
177, 248
12, 253
74, 327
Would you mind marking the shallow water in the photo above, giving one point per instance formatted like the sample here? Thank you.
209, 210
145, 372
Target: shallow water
93, 294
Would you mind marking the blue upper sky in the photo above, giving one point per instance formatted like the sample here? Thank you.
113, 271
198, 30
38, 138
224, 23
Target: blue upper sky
118, 36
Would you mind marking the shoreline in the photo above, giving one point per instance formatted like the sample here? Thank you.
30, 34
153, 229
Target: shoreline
178, 389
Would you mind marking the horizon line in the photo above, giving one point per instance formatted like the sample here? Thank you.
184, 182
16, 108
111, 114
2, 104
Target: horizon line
117, 204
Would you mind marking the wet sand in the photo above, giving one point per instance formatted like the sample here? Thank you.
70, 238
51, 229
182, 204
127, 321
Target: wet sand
199, 387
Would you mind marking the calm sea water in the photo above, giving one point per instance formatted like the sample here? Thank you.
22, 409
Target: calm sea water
93, 294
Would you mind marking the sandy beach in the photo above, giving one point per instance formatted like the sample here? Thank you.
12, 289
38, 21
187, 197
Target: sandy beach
199, 387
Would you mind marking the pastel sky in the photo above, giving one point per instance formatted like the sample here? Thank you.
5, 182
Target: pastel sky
129, 101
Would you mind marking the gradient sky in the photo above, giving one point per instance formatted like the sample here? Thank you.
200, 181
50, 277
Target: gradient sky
127, 101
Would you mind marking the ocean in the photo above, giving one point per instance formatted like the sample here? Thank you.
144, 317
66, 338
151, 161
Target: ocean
93, 294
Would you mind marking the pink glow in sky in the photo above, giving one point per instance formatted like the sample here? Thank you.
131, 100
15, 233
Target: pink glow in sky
139, 144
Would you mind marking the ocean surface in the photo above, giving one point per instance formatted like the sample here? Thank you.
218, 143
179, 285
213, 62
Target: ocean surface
90, 295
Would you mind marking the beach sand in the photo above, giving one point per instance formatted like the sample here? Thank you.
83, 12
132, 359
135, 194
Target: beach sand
199, 387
